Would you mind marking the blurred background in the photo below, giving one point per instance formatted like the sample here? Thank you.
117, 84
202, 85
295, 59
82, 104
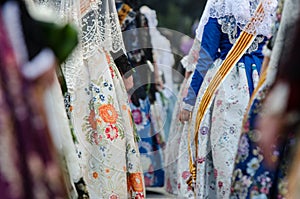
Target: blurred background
177, 20
180, 15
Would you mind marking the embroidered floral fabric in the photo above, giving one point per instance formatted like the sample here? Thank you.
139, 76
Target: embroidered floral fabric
218, 135
251, 178
97, 103
101, 116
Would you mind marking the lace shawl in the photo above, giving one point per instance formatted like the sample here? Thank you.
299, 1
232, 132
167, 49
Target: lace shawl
97, 20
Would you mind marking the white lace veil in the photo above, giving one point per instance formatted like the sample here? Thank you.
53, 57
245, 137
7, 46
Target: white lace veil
97, 20
241, 12
100, 27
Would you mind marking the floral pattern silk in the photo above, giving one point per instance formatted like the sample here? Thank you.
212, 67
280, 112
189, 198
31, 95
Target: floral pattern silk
219, 132
108, 153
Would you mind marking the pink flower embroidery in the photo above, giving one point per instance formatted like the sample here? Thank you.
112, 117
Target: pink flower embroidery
201, 160
111, 132
189, 188
246, 126
169, 187
179, 185
185, 175
139, 196
148, 181
264, 190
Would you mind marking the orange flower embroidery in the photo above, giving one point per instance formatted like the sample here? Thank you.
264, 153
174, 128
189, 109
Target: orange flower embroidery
92, 120
136, 182
95, 175
108, 113
107, 170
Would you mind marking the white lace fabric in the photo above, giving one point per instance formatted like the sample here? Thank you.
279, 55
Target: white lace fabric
100, 27
230, 27
98, 21
189, 61
240, 13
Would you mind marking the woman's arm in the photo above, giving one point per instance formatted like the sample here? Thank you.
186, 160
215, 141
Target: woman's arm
207, 55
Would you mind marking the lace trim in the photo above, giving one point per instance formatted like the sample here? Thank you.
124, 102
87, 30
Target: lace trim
97, 20
255, 44
67, 11
72, 69
189, 61
230, 27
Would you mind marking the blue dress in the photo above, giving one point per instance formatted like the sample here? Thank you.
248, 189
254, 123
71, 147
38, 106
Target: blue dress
215, 44
221, 126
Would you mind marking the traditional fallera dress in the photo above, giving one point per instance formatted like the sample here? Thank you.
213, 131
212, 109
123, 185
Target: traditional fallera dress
97, 103
218, 132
